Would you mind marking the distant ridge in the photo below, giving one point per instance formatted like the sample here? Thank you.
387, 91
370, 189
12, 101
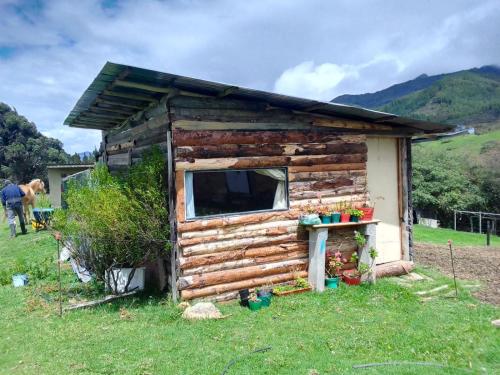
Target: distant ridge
467, 97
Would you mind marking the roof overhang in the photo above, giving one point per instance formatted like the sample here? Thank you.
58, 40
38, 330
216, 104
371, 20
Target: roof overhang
70, 166
120, 92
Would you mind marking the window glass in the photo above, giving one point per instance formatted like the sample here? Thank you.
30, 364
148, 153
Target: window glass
211, 193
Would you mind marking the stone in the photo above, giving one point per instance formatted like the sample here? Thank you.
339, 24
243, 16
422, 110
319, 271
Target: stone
202, 310
496, 323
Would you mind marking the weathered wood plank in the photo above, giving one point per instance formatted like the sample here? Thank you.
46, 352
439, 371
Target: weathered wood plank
228, 245
250, 253
327, 168
219, 125
269, 149
272, 161
118, 159
206, 137
180, 205
250, 283
232, 275
236, 220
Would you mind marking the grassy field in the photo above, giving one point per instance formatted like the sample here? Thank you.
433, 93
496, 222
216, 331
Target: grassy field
328, 332
464, 144
440, 236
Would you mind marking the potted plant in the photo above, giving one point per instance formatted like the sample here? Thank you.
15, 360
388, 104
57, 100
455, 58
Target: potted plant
367, 211
354, 215
309, 215
300, 285
265, 294
324, 215
244, 296
333, 270
254, 303
335, 213
345, 215
353, 277
360, 239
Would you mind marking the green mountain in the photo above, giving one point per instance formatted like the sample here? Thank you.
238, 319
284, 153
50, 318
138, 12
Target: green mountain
468, 97
24, 151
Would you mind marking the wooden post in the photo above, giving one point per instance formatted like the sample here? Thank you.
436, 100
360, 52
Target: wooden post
455, 220
480, 222
317, 253
488, 231
364, 257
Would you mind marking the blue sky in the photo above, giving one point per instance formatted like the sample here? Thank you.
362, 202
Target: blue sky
50, 51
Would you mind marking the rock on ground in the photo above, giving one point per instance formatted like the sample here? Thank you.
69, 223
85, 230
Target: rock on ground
202, 310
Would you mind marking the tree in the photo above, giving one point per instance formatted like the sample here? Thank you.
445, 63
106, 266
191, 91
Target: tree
24, 151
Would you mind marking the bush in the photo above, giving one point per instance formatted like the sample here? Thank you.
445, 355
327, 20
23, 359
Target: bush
118, 222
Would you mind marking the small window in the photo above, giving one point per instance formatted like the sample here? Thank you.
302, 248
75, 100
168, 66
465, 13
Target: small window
210, 193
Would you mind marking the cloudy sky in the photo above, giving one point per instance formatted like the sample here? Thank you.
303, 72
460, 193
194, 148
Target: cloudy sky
50, 51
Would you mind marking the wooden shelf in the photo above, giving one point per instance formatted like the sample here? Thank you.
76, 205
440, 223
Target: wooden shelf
344, 225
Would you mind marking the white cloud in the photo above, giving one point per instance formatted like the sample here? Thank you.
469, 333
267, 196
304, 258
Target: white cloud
311, 48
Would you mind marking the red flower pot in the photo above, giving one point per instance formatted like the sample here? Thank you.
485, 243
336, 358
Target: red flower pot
367, 213
345, 218
350, 279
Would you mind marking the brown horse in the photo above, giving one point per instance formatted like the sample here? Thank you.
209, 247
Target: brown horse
30, 189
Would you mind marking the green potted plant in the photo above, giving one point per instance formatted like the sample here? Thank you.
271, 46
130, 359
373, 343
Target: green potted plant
335, 213
345, 215
309, 215
360, 239
254, 303
354, 214
353, 277
300, 285
333, 270
324, 215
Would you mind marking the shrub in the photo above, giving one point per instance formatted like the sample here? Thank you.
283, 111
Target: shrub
118, 222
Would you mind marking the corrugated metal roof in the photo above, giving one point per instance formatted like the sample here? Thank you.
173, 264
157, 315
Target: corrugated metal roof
120, 91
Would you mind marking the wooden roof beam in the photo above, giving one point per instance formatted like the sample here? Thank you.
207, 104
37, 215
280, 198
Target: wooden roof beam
130, 96
228, 91
142, 86
118, 104
99, 110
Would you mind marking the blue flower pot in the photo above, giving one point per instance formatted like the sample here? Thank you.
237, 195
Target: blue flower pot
332, 283
336, 217
326, 219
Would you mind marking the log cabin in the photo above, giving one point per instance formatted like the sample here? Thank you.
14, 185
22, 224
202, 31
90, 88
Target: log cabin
243, 164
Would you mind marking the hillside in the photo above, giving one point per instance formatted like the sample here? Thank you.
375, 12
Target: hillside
470, 97
24, 151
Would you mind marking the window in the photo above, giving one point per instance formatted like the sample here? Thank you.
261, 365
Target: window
225, 192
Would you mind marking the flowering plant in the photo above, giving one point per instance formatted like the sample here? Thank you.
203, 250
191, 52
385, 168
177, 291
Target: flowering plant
335, 263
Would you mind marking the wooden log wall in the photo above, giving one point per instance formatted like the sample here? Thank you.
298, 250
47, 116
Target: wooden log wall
219, 256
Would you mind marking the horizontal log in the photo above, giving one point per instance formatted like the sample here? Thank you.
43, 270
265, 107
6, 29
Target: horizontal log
350, 124
341, 191
219, 125
118, 148
228, 256
323, 184
320, 176
297, 204
119, 159
228, 245
227, 276
236, 220
269, 149
397, 268
272, 161
235, 286
327, 167
204, 137
247, 234
122, 135
246, 262
139, 151
214, 103
238, 229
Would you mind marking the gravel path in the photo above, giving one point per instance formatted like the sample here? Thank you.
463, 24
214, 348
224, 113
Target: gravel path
471, 263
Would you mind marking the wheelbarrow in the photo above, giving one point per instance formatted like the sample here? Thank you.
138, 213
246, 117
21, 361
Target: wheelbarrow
42, 218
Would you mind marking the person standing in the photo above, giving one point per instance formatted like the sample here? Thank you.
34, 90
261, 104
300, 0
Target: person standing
11, 201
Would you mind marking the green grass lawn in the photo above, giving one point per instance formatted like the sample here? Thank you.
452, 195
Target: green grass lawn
468, 144
440, 236
329, 332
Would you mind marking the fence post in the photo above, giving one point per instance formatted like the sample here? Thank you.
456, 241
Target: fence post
488, 230
455, 219
480, 224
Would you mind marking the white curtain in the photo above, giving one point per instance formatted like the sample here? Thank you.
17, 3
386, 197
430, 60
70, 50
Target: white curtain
280, 195
188, 188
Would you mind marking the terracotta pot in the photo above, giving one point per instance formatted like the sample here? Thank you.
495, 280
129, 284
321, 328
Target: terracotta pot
345, 218
350, 279
367, 213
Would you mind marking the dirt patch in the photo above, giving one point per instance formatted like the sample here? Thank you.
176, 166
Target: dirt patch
471, 263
